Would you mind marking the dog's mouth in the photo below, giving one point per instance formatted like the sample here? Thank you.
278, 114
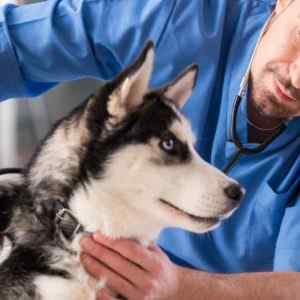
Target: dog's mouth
191, 216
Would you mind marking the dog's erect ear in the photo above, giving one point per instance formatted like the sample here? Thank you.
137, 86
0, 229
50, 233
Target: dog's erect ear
132, 84
182, 87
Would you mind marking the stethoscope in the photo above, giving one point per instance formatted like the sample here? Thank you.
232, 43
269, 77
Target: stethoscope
236, 105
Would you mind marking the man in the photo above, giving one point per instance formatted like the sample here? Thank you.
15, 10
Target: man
46, 43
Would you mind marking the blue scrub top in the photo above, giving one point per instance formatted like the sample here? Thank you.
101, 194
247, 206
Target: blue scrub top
54, 41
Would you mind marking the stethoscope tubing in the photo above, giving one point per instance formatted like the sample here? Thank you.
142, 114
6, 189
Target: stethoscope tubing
237, 142
5, 171
236, 139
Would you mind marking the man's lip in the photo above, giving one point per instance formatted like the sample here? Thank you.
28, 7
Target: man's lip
282, 92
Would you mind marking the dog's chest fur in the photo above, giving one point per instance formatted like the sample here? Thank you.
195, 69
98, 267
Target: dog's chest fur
40, 263
36, 261
79, 287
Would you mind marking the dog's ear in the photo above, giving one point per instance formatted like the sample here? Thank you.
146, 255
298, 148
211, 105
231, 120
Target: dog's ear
182, 87
131, 85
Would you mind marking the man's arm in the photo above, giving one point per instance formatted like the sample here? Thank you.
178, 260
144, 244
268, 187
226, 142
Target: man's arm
139, 273
245, 286
58, 40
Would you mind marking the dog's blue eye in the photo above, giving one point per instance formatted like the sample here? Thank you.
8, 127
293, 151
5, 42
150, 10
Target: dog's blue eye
168, 144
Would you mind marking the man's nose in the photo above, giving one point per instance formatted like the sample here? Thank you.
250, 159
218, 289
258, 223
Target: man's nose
295, 73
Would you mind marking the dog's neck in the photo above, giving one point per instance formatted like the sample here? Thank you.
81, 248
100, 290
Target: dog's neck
105, 211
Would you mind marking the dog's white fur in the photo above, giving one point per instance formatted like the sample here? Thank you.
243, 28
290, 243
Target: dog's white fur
5, 250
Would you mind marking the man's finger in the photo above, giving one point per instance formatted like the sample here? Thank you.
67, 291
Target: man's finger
113, 281
114, 261
129, 249
104, 294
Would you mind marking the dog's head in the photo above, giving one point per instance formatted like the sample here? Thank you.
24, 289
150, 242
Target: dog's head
126, 160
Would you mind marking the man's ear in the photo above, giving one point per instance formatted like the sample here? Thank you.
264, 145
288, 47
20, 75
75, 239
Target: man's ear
281, 5
180, 90
131, 85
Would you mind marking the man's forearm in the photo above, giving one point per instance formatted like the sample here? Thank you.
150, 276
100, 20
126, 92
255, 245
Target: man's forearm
245, 286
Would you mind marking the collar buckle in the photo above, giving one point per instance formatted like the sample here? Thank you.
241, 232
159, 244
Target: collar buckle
65, 217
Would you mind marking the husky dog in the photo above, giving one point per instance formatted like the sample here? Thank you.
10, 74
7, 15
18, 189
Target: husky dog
123, 162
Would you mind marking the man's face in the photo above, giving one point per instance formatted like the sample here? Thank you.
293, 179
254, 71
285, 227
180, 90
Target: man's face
275, 73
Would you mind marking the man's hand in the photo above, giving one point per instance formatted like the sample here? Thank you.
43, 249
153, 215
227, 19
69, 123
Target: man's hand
131, 270
139, 273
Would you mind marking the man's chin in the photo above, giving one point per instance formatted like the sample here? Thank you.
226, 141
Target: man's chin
273, 111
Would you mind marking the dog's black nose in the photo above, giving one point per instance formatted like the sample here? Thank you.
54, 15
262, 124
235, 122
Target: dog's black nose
234, 191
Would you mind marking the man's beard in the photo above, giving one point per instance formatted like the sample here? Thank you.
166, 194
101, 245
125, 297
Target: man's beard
265, 102
266, 105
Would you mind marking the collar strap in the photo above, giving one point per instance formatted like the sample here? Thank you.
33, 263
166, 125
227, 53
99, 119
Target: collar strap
67, 223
